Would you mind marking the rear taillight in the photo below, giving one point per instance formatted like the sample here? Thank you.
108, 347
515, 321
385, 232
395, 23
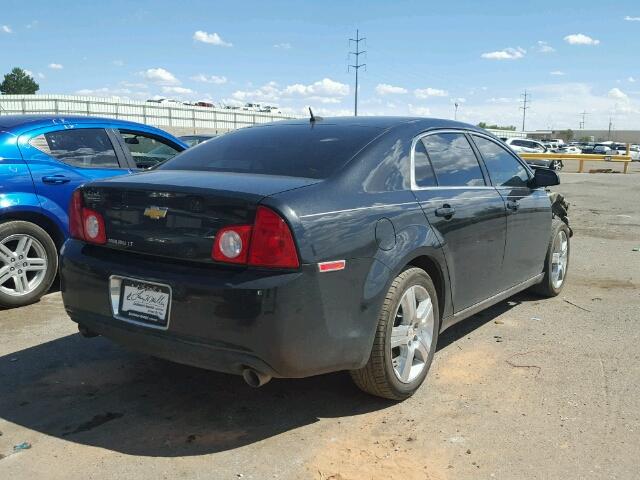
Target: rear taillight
266, 243
85, 224
272, 243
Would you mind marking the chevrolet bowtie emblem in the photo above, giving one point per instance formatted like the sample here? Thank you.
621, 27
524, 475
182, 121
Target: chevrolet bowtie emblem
155, 213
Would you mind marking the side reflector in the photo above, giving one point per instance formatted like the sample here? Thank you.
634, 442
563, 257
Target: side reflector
332, 266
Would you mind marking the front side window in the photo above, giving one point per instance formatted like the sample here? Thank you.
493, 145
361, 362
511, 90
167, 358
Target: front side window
81, 147
453, 160
504, 169
147, 151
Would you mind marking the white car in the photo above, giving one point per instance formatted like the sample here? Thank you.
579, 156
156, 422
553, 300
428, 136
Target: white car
525, 145
569, 149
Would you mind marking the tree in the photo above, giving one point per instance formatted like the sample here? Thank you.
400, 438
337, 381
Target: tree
495, 127
567, 134
18, 82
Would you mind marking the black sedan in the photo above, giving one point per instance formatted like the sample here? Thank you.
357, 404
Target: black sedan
304, 247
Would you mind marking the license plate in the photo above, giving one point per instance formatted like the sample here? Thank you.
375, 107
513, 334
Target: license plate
144, 302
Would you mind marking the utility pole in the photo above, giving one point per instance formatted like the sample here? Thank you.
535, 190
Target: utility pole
357, 65
526, 98
610, 124
455, 112
584, 114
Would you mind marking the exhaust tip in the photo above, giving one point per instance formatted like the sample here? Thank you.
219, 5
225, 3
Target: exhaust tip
255, 379
87, 333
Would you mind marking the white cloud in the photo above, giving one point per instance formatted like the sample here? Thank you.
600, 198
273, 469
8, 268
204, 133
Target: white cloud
28, 72
418, 110
210, 38
284, 45
118, 63
322, 91
506, 54
617, 94
55, 66
6, 29
386, 89
430, 92
269, 92
632, 19
631, 80
580, 39
322, 88
502, 100
41, 75
558, 73
544, 47
32, 24
177, 90
160, 76
215, 79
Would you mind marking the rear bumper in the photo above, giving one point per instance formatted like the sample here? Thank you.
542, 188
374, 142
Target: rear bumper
285, 324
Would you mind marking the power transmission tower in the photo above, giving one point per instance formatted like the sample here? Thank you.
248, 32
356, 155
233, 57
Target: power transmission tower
583, 114
526, 99
357, 65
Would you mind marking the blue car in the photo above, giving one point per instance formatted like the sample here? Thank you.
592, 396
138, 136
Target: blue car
43, 159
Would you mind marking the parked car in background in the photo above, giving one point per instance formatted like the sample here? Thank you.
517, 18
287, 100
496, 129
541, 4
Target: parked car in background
523, 145
305, 247
621, 148
601, 149
43, 159
572, 149
192, 140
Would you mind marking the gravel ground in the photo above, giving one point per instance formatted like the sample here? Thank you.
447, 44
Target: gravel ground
531, 388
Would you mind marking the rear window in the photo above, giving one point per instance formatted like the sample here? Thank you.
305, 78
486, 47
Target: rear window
310, 151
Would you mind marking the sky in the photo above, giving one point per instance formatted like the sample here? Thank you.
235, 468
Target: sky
422, 56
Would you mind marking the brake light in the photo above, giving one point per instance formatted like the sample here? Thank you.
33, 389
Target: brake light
266, 243
84, 223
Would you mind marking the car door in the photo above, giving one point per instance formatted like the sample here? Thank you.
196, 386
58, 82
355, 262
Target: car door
466, 213
145, 150
61, 159
528, 212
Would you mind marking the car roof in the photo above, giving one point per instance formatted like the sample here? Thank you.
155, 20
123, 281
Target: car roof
21, 123
382, 122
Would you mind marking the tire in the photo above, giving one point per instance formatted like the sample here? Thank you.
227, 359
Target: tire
379, 376
28, 263
557, 165
549, 286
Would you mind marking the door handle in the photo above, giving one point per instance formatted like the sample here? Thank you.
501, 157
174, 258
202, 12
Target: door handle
513, 205
446, 211
55, 179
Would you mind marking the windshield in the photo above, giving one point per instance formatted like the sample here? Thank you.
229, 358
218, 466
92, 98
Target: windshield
311, 151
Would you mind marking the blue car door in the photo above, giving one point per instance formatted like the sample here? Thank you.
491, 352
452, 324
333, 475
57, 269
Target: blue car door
62, 158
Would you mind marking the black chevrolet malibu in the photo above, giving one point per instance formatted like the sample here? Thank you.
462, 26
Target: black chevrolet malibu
311, 246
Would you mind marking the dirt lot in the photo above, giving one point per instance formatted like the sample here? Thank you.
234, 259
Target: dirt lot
528, 389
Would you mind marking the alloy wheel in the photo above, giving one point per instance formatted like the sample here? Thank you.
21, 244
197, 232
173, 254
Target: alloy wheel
412, 334
559, 260
23, 264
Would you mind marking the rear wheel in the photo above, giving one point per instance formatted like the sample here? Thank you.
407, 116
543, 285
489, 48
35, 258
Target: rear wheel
556, 262
28, 263
405, 340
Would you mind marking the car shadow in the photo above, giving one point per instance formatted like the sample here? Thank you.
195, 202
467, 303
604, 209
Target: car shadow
93, 392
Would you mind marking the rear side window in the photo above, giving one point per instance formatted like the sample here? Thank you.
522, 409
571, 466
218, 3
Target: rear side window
81, 147
453, 160
424, 172
504, 169
311, 151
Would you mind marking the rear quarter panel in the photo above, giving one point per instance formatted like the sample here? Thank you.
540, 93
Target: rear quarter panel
17, 192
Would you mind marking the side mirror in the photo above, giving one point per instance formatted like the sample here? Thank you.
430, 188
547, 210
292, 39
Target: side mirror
544, 177
132, 141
